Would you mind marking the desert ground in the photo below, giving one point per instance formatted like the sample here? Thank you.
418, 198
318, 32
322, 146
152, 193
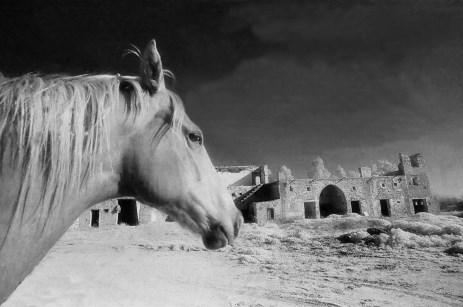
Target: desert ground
291, 264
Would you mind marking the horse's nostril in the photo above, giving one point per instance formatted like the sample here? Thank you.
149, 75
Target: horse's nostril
216, 237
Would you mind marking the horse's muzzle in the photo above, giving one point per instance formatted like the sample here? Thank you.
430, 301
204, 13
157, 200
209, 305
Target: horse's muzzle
219, 236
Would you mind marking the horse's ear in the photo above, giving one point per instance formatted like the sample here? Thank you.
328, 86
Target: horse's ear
151, 68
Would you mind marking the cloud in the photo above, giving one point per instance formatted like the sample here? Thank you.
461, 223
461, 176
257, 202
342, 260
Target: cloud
275, 98
198, 40
339, 31
288, 106
318, 169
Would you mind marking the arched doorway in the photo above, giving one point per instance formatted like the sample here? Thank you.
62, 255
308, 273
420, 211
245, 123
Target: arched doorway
332, 201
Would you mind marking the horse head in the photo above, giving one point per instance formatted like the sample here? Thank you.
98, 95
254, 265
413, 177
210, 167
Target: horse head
164, 162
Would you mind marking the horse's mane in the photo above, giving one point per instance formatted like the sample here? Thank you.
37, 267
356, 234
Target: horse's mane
56, 127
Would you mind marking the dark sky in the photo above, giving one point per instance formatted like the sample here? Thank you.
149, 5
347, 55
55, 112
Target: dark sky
277, 82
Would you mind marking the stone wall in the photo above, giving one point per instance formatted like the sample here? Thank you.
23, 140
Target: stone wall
262, 211
108, 213
393, 189
419, 188
398, 190
299, 191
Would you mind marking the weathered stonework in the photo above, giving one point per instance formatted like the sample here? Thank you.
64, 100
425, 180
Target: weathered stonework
107, 213
398, 194
395, 194
268, 210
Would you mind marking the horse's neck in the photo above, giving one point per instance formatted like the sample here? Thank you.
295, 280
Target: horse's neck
26, 234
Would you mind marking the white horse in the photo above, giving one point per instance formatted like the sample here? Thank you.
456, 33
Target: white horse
68, 143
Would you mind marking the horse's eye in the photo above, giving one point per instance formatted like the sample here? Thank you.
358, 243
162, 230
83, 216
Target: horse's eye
195, 138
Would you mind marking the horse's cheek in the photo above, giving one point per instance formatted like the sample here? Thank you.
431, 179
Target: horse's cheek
165, 179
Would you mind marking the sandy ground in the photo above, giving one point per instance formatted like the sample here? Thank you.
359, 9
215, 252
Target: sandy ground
296, 264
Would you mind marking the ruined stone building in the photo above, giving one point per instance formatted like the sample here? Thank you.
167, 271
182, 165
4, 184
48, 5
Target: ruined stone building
252, 191
403, 192
395, 194
118, 211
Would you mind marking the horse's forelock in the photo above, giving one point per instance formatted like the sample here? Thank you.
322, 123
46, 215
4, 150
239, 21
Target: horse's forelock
178, 112
136, 98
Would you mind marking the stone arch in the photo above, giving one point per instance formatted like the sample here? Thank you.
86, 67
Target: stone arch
332, 201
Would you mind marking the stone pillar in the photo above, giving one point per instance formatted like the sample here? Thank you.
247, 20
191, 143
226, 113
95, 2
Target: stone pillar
405, 165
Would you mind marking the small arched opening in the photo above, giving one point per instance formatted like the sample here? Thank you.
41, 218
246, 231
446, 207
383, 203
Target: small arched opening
332, 201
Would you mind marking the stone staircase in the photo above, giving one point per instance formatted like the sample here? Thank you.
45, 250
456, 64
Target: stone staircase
241, 201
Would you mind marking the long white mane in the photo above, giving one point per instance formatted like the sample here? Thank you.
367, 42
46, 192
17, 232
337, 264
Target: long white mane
56, 128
